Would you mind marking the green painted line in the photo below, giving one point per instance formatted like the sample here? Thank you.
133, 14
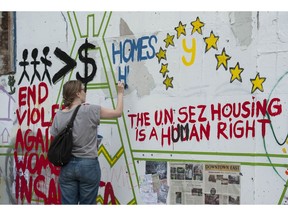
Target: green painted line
77, 24
269, 159
283, 193
101, 25
105, 85
72, 27
87, 25
278, 142
106, 75
212, 153
120, 134
210, 161
94, 33
106, 27
108, 122
98, 87
7, 146
6, 154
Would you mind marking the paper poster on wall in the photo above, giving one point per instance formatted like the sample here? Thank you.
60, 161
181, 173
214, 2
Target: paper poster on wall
204, 183
186, 183
222, 184
147, 194
153, 185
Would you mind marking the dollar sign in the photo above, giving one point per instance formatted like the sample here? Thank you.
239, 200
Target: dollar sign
86, 61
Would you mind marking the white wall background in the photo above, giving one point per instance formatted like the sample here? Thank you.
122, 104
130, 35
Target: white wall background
257, 41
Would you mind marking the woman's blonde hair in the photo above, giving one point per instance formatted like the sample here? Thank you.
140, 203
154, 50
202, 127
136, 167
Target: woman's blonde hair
70, 90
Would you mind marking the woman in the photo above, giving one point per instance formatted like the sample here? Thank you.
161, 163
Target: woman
79, 179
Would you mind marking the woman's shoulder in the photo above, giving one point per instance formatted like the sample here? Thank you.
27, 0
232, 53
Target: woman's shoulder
87, 106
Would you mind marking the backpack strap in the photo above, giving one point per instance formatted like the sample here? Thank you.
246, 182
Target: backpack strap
70, 124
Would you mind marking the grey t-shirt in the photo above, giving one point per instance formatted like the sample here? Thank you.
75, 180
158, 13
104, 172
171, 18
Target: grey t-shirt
84, 129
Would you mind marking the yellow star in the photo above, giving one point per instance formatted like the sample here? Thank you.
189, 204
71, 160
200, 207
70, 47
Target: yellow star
211, 41
169, 40
257, 83
197, 25
168, 82
235, 72
164, 69
222, 59
180, 29
161, 54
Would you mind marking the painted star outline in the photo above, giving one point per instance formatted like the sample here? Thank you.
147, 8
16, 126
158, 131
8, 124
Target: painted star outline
164, 69
257, 83
235, 73
181, 29
169, 40
197, 26
211, 42
222, 59
161, 54
168, 82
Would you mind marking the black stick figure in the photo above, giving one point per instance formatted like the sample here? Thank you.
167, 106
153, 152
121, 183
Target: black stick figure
35, 63
23, 64
46, 63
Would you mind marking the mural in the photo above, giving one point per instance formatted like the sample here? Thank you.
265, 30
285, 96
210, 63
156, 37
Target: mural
205, 106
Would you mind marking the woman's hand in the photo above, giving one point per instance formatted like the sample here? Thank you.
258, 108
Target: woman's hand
120, 87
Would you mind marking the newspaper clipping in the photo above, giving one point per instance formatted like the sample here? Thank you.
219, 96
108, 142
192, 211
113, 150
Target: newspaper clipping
202, 183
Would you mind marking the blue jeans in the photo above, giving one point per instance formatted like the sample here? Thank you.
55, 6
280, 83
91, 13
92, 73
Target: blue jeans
79, 181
